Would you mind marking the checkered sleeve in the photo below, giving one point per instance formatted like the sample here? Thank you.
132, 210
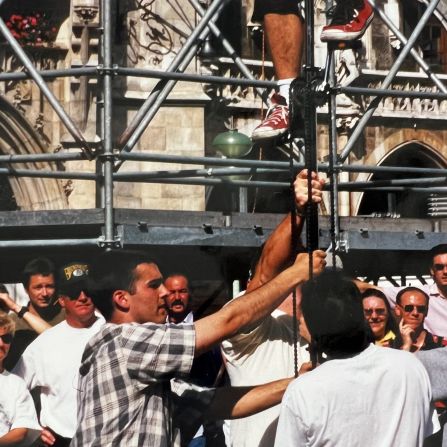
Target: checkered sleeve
158, 352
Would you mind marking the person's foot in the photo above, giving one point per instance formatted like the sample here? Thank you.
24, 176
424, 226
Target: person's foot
349, 21
276, 122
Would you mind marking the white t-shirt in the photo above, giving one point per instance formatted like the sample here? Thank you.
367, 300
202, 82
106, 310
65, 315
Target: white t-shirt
52, 362
436, 320
380, 397
17, 407
262, 355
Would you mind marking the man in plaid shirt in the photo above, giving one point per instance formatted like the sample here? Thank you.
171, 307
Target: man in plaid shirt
131, 391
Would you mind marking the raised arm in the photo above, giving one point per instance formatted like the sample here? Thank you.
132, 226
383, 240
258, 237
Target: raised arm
254, 305
34, 321
278, 251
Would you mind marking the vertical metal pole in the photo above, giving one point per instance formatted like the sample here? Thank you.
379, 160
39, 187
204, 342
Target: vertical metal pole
333, 174
310, 129
108, 144
99, 165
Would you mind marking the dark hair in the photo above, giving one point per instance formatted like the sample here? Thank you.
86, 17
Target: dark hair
111, 271
437, 250
3, 289
411, 289
37, 266
333, 312
391, 323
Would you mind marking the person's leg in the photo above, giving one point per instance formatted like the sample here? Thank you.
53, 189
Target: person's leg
284, 33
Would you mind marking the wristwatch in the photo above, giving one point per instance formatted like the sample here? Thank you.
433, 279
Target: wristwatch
22, 311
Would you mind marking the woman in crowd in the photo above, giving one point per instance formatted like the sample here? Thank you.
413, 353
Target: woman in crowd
379, 316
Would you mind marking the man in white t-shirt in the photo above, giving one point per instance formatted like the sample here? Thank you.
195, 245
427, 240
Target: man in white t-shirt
51, 362
361, 394
265, 352
18, 420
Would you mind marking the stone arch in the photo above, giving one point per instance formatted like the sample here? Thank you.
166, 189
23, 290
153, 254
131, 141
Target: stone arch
411, 153
17, 136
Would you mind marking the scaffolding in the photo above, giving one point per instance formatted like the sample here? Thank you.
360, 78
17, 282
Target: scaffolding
115, 229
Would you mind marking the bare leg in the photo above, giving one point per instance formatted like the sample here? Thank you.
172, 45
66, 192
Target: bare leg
285, 36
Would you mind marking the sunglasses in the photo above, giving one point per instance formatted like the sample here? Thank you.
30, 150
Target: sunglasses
439, 267
410, 307
381, 311
7, 338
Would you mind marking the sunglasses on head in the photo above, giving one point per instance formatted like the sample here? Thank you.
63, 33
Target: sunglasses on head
439, 267
379, 311
7, 338
409, 308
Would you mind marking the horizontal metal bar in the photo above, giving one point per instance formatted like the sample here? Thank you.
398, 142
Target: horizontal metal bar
203, 181
397, 182
50, 74
388, 169
27, 158
210, 161
141, 72
385, 93
23, 243
47, 174
195, 173
386, 240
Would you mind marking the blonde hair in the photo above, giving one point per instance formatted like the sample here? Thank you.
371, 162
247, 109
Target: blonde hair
6, 322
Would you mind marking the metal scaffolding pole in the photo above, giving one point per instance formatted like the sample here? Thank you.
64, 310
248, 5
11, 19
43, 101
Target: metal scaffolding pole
413, 52
50, 74
147, 111
333, 172
107, 154
387, 81
23, 57
175, 76
229, 49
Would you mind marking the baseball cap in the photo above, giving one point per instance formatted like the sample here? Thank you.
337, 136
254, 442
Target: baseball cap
73, 279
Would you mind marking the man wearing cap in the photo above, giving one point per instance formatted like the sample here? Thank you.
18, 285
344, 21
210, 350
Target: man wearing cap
52, 361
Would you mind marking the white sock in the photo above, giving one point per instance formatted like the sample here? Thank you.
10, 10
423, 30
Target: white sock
284, 87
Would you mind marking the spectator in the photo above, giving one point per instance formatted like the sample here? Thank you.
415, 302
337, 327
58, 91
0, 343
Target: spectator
265, 351
412, 306
125, 391
18, 421
40, 285
380, 318
346, 401
51, 362
435, 362
206, 367
436, 319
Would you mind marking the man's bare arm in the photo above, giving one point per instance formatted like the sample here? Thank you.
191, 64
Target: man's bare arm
278, 252
255, 305
243, 401
34, 321
14, 437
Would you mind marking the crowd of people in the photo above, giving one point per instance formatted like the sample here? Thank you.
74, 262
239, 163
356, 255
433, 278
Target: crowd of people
111, 354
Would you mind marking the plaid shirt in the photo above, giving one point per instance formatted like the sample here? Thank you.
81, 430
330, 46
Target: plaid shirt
126, 396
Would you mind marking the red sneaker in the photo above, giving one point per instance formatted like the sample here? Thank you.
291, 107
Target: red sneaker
276, 122
349, 21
